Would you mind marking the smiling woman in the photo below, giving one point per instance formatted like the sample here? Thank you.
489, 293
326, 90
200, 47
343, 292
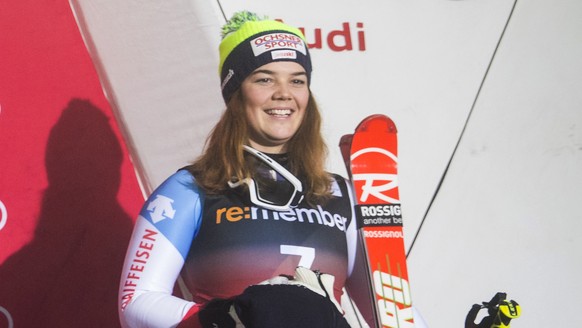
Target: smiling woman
275, 98
258, 191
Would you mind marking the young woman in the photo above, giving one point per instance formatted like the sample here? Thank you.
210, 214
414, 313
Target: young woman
257, 204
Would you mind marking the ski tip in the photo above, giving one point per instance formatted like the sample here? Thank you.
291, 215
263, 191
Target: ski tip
377, 122
345, 145
346, 139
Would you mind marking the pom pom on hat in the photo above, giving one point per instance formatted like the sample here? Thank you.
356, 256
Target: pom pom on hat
250, 41
237, 20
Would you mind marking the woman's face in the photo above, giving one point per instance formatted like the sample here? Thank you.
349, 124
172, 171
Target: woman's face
275, 98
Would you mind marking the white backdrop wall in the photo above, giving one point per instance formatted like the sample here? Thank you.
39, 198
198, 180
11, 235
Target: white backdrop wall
507, 216
504, 217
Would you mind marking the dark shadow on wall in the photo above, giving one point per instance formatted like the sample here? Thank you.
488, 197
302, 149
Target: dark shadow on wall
68, 275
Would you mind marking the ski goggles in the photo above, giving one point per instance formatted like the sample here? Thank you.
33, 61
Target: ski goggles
272, 186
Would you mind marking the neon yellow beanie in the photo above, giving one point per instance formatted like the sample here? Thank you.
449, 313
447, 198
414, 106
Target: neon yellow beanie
250, 42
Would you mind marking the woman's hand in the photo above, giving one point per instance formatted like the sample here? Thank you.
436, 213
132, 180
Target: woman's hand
305, 300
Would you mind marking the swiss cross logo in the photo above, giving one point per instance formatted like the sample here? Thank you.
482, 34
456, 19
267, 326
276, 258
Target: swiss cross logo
379, 183
161, 208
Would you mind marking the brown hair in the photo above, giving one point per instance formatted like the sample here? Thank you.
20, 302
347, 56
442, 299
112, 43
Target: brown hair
223, 157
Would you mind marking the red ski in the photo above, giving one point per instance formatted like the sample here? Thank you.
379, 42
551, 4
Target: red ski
371, 160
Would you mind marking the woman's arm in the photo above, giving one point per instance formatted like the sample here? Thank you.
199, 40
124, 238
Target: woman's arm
163, 233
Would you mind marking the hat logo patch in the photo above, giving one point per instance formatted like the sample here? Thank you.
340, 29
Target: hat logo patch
278, 41
283, 54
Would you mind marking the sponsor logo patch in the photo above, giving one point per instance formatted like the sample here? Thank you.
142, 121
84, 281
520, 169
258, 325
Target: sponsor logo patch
277, 41
283, 54
161, 208
301, 215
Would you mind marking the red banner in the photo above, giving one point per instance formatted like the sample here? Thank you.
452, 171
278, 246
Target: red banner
68, 192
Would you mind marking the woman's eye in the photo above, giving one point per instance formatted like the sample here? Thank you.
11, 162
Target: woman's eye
298, 81
263, 80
